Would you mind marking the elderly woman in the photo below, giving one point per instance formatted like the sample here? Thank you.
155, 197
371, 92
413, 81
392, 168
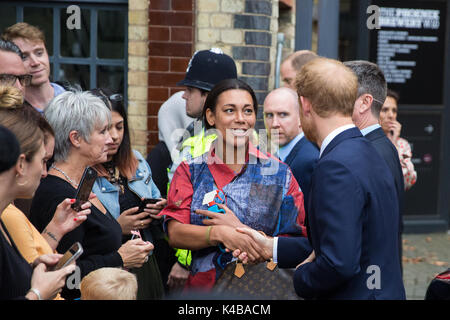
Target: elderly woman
257, 191
123, 182
80, 122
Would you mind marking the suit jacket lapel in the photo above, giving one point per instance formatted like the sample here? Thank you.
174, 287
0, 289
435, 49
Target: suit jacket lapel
295, 151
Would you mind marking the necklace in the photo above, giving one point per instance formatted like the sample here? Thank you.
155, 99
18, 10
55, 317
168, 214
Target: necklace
114, 176
65, 175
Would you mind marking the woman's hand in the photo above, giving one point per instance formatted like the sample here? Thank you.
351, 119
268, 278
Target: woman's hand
65, 220
394, 131
49, 283
154, 208
50, 260
131, 220
232, 240
216, 218
135, 252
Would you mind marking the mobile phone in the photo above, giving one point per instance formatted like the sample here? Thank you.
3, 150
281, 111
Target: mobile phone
72, 254
147, 200
84, 188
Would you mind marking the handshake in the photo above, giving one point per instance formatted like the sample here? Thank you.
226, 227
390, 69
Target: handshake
245, 243
263, 246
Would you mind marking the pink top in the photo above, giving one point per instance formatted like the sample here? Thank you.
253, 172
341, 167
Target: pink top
405, 154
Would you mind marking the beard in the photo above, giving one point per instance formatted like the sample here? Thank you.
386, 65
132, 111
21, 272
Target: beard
309, 129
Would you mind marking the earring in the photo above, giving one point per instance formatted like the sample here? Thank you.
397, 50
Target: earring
21, 184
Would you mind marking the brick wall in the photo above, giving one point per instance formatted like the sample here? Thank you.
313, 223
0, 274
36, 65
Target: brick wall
286, 24
245, 30
137, 72
171, 45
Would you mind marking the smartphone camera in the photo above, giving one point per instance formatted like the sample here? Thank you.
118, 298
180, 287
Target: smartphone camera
146, 201
84, 188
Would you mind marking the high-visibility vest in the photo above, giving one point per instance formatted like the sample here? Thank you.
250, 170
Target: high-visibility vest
198, 144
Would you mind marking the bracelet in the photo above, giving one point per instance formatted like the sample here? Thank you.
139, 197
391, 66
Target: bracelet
208, 233
36, 292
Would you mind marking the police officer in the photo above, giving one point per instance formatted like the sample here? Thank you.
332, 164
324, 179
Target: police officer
206, 68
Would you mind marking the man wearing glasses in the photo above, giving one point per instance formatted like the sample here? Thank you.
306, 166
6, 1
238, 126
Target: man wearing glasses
12, 69
31, 42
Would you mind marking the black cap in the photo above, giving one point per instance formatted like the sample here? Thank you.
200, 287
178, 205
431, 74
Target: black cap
9, 149
207, 68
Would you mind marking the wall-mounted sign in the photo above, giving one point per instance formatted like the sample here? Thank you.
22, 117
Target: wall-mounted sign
409, 47
424, 136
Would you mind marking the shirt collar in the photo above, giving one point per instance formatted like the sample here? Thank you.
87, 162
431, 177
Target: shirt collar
333, 135
285, 150
369, 129
57, 89
252, 150
221, 172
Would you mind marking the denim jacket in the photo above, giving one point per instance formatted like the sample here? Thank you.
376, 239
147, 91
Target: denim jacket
141, 184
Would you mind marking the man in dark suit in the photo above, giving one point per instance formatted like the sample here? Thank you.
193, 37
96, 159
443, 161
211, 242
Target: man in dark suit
372, 89
282, 121
353, 207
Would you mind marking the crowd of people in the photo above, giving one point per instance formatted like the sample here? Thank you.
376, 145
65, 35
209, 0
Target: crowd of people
314, 214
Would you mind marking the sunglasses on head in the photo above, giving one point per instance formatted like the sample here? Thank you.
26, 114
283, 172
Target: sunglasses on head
10, 79
116, 97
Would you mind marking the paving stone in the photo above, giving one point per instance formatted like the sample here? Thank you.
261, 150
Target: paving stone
428, 254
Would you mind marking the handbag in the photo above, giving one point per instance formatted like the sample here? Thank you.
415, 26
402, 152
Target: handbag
258, 282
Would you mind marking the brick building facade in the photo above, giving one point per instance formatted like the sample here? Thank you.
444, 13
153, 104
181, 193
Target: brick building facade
244, 29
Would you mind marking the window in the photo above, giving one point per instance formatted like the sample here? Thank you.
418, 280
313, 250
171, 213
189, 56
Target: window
95, 55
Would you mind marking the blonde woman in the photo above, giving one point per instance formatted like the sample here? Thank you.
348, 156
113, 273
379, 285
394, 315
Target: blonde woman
22, 158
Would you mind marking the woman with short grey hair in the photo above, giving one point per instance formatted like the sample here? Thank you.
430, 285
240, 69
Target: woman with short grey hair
81, 122
78, 112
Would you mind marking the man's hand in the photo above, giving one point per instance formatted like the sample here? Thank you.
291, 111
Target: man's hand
311, 258
177, 277
264, 243
233, 239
